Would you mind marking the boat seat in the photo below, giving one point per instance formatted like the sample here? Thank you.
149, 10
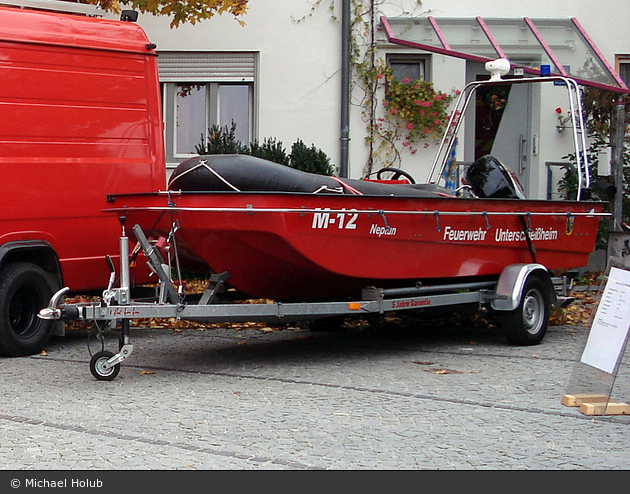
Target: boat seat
489, 178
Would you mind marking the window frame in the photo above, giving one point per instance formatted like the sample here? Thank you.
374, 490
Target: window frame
214, 69
212, 114
423, 61
623, 59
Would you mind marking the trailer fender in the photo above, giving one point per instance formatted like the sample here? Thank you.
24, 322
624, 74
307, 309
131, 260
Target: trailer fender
511, 282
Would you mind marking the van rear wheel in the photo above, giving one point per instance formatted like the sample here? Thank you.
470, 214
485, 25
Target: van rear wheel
25, 288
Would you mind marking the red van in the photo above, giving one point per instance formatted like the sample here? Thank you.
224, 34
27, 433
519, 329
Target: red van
80, 118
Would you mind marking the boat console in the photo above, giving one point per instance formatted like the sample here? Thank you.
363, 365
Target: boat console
489, 178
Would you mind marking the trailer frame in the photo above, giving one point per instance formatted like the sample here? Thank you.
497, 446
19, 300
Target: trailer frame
506, 295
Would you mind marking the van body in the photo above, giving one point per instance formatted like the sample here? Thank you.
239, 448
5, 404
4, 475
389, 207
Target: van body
80, 118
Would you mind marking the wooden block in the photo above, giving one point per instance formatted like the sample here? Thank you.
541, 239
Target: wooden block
577, 400
605, 409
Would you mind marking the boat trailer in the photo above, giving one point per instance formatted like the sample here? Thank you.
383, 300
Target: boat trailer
521, 297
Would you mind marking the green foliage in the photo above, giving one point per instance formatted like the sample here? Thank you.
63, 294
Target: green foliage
310, 160
271, 150
569, 183
414, 110
222, 140
599, 105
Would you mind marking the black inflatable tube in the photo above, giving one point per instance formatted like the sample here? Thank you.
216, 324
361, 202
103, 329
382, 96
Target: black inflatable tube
245, 173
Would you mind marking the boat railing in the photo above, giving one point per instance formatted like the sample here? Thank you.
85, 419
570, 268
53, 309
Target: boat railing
448, 142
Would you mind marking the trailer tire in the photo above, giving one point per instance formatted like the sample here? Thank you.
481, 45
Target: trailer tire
527, 324
25, 288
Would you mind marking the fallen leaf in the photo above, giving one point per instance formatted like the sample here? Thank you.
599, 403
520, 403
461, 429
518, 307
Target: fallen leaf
144, 373
449, 371
43, 353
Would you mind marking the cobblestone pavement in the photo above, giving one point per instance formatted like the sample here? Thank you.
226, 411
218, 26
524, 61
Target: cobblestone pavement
408, 397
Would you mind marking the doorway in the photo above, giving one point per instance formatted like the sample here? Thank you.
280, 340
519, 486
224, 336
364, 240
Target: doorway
503, 127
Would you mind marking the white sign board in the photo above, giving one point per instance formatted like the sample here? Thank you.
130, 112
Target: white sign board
609, 331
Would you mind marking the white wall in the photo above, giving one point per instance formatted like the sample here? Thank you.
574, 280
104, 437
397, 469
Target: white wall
298, 79
299, 69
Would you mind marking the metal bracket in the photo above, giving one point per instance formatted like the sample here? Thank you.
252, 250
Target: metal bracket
156, 263
215, 284
124, 353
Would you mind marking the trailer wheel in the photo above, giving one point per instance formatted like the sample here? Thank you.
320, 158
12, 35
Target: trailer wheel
25, 288
97, 366
527, 324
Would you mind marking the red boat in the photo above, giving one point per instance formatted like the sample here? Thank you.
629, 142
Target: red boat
299, 245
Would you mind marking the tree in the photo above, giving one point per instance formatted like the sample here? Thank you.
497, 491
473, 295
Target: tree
181, 11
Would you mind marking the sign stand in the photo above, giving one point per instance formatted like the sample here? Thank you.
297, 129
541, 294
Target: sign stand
594, 375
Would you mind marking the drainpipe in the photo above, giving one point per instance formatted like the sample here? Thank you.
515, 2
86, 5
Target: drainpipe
345, 88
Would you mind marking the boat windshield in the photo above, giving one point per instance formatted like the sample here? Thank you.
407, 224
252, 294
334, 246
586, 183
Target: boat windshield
500, 113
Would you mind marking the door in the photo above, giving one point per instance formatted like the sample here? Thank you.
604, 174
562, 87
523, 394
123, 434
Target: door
503, 127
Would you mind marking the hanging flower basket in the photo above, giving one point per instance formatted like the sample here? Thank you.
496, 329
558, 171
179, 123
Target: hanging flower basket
414, 108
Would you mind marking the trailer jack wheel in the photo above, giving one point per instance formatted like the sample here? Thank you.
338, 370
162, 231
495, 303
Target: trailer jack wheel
99, 368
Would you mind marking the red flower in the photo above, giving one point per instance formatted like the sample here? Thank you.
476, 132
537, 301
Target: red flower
558, 110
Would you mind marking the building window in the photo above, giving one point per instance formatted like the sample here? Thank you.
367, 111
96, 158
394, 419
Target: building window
623, 67
413, 67
205, 89
191, 108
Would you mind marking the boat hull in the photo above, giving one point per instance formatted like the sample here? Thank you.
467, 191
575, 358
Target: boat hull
289, 246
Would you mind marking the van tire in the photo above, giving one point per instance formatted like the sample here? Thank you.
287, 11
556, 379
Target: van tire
25, 288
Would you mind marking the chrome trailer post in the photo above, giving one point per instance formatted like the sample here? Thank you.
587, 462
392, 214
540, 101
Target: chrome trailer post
105, 365
124, 297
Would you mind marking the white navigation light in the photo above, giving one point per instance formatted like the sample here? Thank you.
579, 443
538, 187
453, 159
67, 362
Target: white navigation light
498, 68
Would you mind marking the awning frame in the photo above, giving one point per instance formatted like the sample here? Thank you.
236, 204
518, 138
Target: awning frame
445, 49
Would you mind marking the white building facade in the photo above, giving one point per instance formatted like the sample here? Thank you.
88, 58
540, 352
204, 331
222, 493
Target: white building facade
280, 75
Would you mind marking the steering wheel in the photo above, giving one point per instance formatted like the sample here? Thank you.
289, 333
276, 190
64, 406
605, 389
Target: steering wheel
396, 174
